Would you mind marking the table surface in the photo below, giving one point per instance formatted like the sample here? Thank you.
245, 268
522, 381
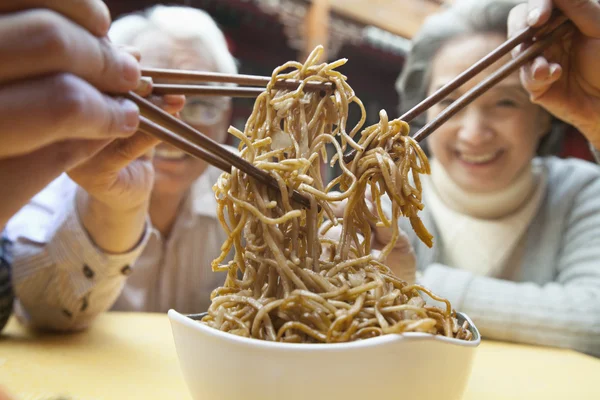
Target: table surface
132, 356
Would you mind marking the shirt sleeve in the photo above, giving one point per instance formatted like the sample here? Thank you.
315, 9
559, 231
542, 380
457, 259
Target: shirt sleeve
562, 313
62, 281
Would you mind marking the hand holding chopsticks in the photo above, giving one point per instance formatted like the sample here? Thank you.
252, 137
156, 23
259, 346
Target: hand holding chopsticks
543, 37
565, 80
159, 124
182, 82
53, 113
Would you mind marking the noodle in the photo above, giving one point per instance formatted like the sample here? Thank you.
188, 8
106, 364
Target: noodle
287, 281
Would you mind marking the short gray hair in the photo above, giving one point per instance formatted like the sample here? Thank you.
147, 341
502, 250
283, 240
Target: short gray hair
183, 23
464, 17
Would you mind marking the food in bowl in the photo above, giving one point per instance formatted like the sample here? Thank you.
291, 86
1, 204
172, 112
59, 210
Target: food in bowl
302, 315
220, 366
288, 280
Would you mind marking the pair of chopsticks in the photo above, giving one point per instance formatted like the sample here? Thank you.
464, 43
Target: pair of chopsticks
542, 38
161, 125
169, 129
166, 81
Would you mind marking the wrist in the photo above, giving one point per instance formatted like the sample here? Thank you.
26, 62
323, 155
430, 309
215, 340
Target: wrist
591, 132
114, 230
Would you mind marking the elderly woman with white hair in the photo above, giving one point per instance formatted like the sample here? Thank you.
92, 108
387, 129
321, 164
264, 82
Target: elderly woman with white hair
69, 266
517, 231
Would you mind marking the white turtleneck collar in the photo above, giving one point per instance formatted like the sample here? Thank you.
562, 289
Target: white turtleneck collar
484, 205
481, 232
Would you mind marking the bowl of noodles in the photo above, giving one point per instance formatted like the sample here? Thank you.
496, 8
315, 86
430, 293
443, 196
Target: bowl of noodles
303, 313
221, 366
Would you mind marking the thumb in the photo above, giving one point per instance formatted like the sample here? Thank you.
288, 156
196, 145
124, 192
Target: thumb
118, 154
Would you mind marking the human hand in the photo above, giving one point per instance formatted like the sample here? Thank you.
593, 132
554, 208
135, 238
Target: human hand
565, 80
93, 15
115, 186
4, 395
56, 65
54, 73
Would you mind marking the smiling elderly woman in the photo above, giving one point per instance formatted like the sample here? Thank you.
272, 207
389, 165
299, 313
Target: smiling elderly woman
63, 278
517, 235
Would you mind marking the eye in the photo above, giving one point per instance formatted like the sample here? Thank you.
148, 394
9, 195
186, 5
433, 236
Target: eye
506, 103
200, 112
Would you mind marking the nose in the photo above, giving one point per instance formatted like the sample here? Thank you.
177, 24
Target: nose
474, 129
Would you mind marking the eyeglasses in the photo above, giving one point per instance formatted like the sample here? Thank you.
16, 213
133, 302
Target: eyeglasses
204, 110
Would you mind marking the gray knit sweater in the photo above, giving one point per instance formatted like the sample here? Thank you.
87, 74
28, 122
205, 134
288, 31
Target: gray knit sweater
553, 296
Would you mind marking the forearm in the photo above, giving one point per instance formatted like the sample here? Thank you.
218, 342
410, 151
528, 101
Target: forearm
113, 231
590, 125
554, 314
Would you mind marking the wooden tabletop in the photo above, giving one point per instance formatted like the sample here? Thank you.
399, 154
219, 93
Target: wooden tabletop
132, 356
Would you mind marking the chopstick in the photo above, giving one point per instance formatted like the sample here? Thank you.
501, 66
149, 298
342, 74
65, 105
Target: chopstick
545, 35
530, 53
163, 126
206, 90
159, 124
153, 129
171, 76
485, 62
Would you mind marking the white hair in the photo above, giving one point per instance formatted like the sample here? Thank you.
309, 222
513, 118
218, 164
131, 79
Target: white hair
181, 23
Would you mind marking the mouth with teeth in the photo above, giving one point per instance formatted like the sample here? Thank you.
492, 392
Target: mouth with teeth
169, 154
479, 159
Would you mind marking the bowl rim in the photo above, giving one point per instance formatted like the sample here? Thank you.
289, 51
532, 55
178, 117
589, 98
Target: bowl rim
192, 321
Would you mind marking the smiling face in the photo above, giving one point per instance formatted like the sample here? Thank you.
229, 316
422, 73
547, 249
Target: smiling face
175, 170
490, 142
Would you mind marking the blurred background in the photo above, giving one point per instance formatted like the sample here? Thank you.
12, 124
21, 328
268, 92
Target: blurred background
374, 35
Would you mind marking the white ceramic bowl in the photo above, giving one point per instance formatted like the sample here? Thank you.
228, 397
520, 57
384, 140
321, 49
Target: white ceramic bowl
221, 366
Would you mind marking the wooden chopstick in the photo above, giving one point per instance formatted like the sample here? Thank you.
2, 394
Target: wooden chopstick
179, 129
206, 90
159, 75
523, 36
153, 129
530, 53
